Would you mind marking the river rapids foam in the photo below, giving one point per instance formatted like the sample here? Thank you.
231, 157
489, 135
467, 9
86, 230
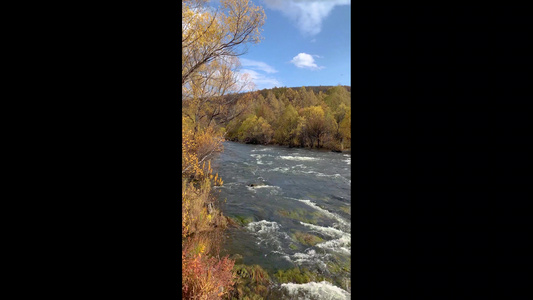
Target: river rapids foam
315, 290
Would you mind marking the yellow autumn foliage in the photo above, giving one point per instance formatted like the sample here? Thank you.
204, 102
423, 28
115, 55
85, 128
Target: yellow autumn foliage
211, 41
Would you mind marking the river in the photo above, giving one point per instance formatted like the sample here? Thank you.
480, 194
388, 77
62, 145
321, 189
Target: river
295, 192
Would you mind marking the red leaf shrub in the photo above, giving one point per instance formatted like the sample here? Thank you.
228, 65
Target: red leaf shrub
206, 277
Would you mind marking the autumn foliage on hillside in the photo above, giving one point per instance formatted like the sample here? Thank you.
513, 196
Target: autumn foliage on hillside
296, 117
212, 38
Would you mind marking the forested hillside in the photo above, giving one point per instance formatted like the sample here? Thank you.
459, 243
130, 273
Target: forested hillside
315, 117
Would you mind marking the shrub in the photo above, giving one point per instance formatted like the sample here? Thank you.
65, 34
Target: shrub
204, 274
205, 277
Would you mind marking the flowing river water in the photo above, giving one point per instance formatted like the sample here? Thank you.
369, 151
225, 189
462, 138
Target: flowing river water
295, 192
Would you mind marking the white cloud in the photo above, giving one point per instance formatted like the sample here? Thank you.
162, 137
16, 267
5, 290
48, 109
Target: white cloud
254, 71
308, 14
261, 81
257, 65
304, 60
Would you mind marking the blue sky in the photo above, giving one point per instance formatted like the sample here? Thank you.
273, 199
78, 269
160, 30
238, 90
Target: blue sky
306, 43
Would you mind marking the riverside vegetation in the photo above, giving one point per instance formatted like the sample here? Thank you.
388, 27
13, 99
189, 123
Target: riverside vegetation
211, 41
315, 117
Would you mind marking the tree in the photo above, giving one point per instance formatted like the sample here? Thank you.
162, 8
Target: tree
263, 110
274, 103
309, 98
209, 34
301, 134
211, 41
286, 126
255, 130
337, 95
317, 125
211, 90
345, 127
338, 115
291, 96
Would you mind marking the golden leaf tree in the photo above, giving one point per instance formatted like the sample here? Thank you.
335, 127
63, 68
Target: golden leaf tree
212, 39
209, 34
